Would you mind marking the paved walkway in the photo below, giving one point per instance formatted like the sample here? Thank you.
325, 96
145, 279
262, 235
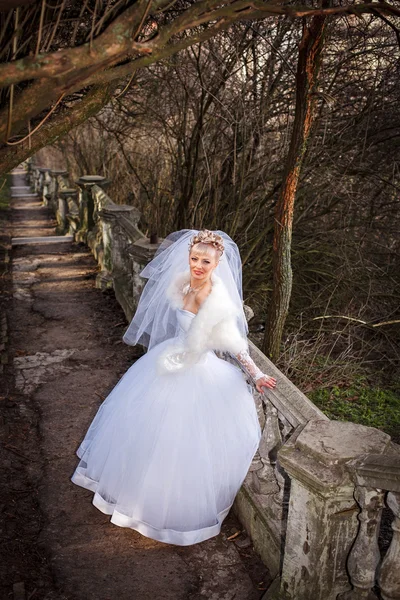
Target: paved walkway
67, 355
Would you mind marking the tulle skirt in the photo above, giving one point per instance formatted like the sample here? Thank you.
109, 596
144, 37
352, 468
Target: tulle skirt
166, 454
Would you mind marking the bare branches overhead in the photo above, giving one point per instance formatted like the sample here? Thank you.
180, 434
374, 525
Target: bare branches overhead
49, 51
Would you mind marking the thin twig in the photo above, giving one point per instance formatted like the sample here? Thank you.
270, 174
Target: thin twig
39, 125
40, 28
396, 321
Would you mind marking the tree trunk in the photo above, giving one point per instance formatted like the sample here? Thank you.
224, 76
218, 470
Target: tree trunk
306, 83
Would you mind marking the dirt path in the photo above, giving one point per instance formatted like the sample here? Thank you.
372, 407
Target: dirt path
65, 356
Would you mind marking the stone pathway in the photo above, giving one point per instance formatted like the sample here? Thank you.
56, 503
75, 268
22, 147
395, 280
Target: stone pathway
66, 355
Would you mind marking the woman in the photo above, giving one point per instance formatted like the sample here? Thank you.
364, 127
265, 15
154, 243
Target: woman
172, 443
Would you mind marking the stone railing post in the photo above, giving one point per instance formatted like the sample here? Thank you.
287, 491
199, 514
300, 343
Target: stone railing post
36, 177
56, 177
51, 187
30, 171
389, 574
37, 181
32, 176
86, 203
67, 208
115, 245
73, 211
322, 519
114, 233
122, 239
50, 190
45, 185
373, 475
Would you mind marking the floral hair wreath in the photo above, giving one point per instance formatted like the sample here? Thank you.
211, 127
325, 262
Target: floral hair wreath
208, 237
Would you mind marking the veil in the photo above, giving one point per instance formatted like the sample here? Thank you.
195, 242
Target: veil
155, 319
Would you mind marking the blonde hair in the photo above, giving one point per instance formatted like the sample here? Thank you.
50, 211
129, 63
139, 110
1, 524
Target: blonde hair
206, 238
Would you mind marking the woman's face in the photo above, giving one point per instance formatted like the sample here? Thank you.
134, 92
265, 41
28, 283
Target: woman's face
202, 264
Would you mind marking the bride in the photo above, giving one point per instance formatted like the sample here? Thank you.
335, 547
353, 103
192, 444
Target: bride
171, 444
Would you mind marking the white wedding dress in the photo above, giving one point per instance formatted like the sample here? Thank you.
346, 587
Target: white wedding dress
166, 454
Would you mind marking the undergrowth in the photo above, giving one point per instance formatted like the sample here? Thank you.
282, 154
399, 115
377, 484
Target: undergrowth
337, 379
362, 403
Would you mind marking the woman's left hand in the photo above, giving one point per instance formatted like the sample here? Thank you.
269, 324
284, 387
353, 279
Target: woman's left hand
266, 381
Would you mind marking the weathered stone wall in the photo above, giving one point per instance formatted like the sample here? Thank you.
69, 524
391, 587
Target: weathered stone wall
313, 496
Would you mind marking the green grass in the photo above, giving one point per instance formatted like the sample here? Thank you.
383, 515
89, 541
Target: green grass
362, 403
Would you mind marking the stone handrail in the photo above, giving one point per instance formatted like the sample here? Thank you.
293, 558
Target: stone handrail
312, 499
111, 230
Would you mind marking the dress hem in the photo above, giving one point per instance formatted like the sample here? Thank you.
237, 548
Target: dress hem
167, 536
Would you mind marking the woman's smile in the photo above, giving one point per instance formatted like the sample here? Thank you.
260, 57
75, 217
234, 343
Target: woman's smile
202, 264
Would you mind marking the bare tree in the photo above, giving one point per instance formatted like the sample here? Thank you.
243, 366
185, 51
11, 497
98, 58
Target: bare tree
210, 129
53, 56
306, 87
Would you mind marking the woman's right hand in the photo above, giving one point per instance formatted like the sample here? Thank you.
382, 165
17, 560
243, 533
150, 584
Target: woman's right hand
265, 381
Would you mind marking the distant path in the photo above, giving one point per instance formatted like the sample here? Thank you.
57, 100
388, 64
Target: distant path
66, 355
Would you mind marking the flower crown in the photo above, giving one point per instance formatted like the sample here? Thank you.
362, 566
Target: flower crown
208, 237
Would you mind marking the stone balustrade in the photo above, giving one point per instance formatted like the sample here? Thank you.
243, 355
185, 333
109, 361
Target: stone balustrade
111, 230
377, 483
313, 498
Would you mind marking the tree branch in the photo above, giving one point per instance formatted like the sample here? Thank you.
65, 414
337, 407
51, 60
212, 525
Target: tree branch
109, 47
70, 70
116, 42
58, 126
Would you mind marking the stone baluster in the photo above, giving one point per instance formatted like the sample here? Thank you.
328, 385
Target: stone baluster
114, 244
37, 185
31, 176
45, 183
52, 191
42, 182
55, 178
364, 555
29, 172
264, 480
118, 224
73, 211
58, 203
389, 574
86, 204
38, 182
61, 178
67, 211
322, 518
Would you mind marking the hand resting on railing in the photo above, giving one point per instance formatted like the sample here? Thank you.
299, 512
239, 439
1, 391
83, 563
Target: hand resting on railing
257, 378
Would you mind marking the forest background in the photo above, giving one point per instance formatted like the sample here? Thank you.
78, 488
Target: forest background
255, 119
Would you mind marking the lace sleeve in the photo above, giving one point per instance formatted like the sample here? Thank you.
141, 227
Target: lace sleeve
245, 359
